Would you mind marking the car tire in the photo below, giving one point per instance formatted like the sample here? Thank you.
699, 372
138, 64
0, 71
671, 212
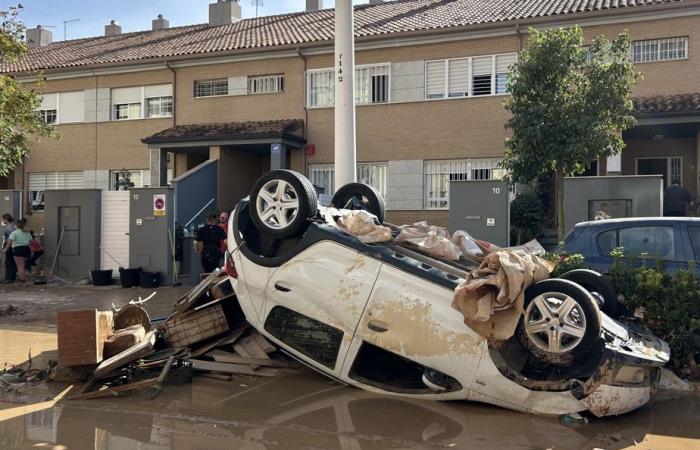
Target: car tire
281, 204
360, 196
599, 286
546, 334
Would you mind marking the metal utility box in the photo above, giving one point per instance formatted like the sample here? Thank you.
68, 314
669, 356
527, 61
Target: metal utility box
482, 209
151, 230
11, 203
72, 219
612, 196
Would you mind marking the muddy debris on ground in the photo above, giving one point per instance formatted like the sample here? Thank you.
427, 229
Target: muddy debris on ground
125, 350
10, 310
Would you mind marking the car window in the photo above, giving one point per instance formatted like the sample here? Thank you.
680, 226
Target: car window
654, 241
607, 241
694, 233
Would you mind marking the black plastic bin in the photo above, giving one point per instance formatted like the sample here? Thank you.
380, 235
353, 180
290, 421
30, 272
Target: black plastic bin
150, 279
130, 277
101, 277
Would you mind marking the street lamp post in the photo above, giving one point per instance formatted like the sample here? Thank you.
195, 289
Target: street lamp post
345, 147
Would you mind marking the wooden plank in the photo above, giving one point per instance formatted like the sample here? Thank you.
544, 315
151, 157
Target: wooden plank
226, 357
188, 300
187, 329
267, 372
229, 339
215, 376
209, 366
253, 348
139, 350
263, 343
115, 391
81, 336
241, 351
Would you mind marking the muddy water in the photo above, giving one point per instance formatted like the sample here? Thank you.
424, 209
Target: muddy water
306, 411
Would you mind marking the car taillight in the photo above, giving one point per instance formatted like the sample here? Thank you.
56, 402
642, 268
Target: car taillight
230, 267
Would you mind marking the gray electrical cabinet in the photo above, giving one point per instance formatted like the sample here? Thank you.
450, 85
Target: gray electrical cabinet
11, 203
72, 225
482, 209
151, 230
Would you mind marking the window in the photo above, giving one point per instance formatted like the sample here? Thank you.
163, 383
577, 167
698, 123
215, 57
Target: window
211, 88
265, 84
651, 242
660, 50
40, 182
371, 86
49, 116
467, 77
127, 111
374, 174
159, 106
694, 233
670, 168
122, 180
438, 175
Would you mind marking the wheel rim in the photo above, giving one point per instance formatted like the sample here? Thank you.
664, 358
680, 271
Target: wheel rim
277, 204
555, 322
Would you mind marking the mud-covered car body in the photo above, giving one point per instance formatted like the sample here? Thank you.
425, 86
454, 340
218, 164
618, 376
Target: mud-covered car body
379, 317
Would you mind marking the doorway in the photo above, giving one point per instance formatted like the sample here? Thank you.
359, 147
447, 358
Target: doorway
670, 168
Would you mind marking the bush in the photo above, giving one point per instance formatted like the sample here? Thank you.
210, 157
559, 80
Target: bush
526, 216
564, 262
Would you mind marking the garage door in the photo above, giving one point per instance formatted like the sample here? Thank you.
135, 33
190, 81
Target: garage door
115, 230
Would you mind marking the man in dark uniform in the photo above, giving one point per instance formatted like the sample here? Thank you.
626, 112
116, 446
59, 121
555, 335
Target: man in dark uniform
210, 237
677, 200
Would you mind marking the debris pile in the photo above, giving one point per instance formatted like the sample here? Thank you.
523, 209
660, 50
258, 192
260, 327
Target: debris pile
10, 310
206, 335
12, 377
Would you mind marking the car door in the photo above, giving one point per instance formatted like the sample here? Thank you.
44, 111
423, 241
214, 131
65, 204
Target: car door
645, 243
315, 300
692, 245
411, 317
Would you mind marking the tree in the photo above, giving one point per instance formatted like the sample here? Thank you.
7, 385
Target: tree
569, 105
20, 118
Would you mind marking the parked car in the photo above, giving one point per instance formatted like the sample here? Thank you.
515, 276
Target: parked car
379, 316
675, 241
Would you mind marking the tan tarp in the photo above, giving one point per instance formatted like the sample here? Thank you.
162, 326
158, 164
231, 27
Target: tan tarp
491, 298
359, 223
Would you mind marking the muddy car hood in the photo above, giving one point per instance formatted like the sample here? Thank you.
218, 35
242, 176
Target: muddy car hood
633, 340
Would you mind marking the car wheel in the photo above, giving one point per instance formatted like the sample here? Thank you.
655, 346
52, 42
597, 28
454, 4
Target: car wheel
598, 285
561, 322
282, 202
360, 196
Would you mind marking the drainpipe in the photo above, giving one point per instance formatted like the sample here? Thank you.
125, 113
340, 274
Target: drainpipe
520, 37
306, 110
167, 64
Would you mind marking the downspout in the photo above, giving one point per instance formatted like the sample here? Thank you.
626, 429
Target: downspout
306, 112
520, 37
109, 181
167, 64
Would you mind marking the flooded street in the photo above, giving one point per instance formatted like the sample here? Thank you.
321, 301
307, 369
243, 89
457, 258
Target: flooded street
307, 411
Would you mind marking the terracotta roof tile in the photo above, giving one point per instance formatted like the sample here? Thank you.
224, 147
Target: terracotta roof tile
287, 128
302, 28
668, 104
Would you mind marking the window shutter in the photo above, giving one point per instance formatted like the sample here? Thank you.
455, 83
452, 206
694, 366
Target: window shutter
435, 79
49, 102
481, 65
504, 62
459, 77
158, 90
482, 72
71, 107
73, 180
126, 95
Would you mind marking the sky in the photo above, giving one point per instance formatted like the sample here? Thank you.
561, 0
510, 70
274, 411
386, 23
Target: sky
133, 15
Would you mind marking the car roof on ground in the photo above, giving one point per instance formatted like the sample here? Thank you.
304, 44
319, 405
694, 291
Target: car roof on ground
632, 220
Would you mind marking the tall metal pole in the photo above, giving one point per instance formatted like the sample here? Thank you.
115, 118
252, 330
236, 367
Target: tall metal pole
345, 147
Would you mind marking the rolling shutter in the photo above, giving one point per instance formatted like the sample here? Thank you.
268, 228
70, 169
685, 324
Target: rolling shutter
71, 107
459, 77
435, 79
157, 90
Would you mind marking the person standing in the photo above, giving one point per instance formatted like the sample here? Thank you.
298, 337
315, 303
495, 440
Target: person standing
37, 251
677, 200
10, 266
209, 239
19, 240
223, 224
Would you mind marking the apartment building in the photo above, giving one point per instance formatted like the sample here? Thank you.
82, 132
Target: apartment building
256, 94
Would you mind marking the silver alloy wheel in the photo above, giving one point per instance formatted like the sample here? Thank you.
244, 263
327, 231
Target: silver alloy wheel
555, 322
277, 204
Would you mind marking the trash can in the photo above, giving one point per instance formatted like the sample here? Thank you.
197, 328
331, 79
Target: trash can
101, 277
130, 277
150, 279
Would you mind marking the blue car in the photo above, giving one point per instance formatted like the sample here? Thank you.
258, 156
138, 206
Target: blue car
673, 240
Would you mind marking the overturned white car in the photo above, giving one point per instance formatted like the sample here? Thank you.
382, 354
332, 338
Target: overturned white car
379, 316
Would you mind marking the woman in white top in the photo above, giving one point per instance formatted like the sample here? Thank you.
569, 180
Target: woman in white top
19, 240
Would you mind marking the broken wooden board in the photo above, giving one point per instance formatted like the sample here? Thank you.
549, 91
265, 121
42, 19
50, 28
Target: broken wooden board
115, 391
187, 329
226, 357
209, 366
139, 350
189, 299
81, 336
263, 343
248, 347
228, 339
123, 339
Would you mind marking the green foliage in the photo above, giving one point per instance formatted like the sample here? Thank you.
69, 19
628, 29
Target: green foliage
668, 304
564, 262
569, 105
526, 216
20, 119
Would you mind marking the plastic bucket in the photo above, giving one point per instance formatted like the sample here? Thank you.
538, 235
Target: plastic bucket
129, 277
150, 279
101, 277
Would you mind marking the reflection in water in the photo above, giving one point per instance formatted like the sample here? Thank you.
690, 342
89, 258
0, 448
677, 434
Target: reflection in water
306, 411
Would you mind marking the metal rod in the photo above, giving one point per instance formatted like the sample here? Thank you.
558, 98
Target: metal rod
199, 212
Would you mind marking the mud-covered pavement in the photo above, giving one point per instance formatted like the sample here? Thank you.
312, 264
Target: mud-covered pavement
299, 410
